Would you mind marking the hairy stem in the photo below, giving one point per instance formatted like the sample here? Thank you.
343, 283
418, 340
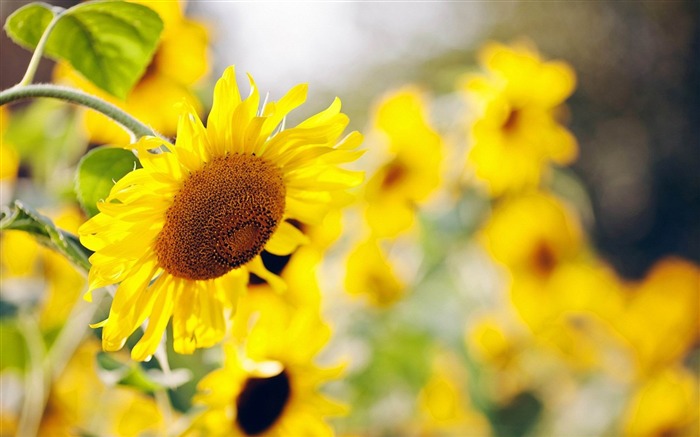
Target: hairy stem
136, 128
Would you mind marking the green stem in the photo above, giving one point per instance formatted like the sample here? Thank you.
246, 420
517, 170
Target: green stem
136, 128
36, 383
39, 51
72, 334
161, 395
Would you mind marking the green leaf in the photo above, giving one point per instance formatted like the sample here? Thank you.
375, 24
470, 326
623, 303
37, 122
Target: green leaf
98, 171
110, 42
26, 25
122, 371
19, 216
127, 373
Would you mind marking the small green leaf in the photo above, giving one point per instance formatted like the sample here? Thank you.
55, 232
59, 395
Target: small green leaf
126, 373
19, 216
98, 170
26, 25
110, 42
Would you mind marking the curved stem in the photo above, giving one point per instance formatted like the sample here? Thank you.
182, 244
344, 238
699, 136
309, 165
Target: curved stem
72, 95
39, 51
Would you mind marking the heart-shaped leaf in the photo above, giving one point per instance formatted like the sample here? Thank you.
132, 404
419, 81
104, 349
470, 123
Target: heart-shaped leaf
110, 42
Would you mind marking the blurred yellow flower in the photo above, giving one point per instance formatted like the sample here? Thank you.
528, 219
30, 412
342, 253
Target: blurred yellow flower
564, 297
532, 235
500, 348
370, 274
80, 403
9, 160
181, 241
664, 405
574, 314
271, 388
661, 318
180, 61
23, 260
516, 132
263, 301
323, 235
491, 343
412, 170
298, 270
19, 254
444, 406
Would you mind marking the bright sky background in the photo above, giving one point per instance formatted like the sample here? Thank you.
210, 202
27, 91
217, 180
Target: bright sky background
332, 44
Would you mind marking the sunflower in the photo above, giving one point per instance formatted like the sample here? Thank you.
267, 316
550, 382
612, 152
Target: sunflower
180, 61
516, 132
411, 171
561, 292
271, 387
298, 269
371, 274
182, 233
532, 235
444, 406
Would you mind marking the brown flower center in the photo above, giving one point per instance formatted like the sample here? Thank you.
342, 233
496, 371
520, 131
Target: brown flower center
544, 259
261, 403
394, 174
221, 218
510, 125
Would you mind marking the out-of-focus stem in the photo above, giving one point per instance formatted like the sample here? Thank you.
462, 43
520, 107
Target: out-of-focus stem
72, 334
161, 395
35, 382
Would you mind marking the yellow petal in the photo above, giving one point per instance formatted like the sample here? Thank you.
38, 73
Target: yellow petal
285, 240
257, 267
157, 321
227, 97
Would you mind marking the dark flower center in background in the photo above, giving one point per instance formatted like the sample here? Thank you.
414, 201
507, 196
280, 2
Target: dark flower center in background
394, 173
510, 125
544, 259
261, 403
